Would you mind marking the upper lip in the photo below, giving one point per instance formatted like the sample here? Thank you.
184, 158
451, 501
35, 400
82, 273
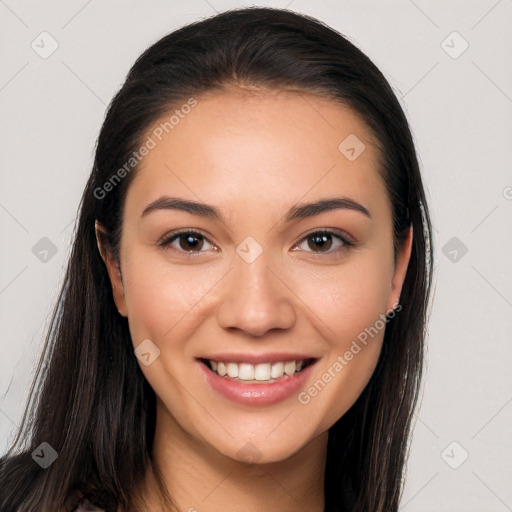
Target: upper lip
258, 358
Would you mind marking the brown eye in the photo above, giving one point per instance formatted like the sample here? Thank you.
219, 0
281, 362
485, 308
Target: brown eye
190, 242
322, 242
326, 242
186, 242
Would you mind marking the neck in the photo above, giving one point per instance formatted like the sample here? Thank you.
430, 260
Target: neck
199, 478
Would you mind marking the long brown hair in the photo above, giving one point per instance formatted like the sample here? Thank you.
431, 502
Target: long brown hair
91, 402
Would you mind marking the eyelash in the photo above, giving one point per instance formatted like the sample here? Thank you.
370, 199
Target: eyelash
169, 238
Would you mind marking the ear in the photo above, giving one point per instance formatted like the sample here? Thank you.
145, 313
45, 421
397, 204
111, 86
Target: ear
113, 269
401, 264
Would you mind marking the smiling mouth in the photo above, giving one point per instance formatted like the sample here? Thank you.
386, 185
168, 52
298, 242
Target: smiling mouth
257, 373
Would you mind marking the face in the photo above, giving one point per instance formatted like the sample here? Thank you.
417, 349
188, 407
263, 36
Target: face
289, 300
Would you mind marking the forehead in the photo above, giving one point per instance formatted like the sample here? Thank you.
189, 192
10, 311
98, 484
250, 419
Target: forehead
252, 148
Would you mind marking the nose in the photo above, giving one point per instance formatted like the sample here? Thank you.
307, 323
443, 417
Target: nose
256, 300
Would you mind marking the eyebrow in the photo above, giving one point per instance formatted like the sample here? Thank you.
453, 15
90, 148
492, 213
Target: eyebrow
298, 211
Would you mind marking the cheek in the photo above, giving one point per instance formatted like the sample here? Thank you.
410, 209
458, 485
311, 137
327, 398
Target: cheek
164, 303
160, 296
351, 302
353, 309
350, 298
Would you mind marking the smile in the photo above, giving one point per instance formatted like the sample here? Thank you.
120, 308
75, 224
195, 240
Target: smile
256, 379
257, 373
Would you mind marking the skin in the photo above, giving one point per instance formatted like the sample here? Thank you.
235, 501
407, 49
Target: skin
253, 155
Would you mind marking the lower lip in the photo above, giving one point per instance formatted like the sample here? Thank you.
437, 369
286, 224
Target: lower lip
255, 394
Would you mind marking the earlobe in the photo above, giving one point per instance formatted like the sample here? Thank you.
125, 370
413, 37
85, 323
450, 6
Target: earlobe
401, 265
113, 269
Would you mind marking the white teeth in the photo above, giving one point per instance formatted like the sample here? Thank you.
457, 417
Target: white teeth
221, 369
290, 367
232, 370
277, 370
258, 372
262, 371
246, 371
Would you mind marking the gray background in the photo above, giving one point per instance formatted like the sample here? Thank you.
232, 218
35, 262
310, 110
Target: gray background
459, 104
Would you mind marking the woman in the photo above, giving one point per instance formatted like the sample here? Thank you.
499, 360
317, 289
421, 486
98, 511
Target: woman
242, 321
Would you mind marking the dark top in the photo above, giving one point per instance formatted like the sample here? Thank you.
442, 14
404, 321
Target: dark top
86, 506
